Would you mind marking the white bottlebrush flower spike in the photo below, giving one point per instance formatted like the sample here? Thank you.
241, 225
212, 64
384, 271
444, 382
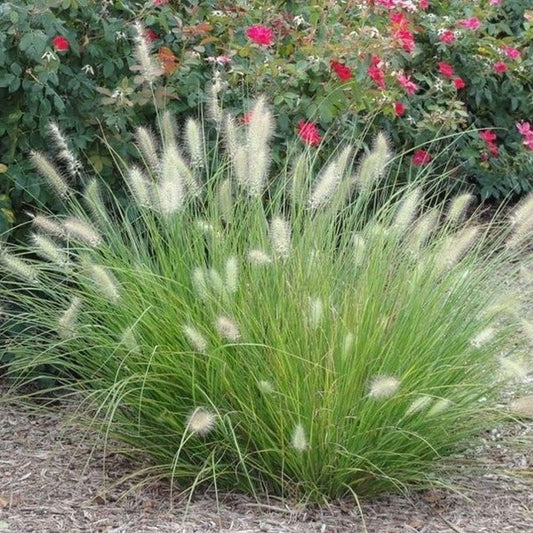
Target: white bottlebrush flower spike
384, 387
347, 345
18, 267
316, 313
483, 337
419, 404
440, 405
459, 206
47, 225
148, 68
299, 439
406, 211
258, 257
147, 145
200, 422
50, 173
265, 386
64, 154
455, 247
232, 274
140, 187
195, 339
195, 143
82, 231
280, 237
326, 186
67, 321
227, 328
48, 249
200, 283
104, 282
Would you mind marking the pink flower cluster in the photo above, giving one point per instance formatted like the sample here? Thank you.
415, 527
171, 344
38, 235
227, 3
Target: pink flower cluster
376, 71
400, 31
525, 129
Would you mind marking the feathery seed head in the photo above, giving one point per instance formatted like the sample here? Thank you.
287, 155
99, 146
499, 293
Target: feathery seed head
225, 201
231, 136
148, 147
418, 404
455, 247
232, 274
441, 405
195, 339
213, 105
50, 173
48, 249
82, 231
227, 328
104, 282
216, 282
47, 225
316, 313
67, 321
483, 337
195, 143
258, 257
148, 68
280, 237
64, 154
299, 179
407, 209
513, 369
384, 387
458, 207
422, 230
523, 211
168, 129
240, 167
373, 165
265, 386
200, 283
170, 195
325, 187
200, 422
95, 203
129, 341
299, 439
359, 247
347, 345
19, 267
141, 189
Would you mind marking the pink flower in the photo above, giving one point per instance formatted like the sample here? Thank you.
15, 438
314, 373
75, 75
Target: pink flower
500, 67
342, 71
399, 108
424, 4
406, 38
446, 69
308, 132
421, 157
511, 53
260, 34
495, 2
159, 3
524, 128
447, 37
60, 43
459, 83
399, 20
405, 81
473, 23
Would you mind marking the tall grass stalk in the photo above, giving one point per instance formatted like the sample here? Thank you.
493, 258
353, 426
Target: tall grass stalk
317, 335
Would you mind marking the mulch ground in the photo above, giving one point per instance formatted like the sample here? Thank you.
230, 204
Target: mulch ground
56, 480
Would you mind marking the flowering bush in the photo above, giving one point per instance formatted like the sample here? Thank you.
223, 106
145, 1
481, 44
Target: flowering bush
313, 337
359, 66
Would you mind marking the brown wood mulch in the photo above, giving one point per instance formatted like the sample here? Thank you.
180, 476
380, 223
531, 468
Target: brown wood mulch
52, 480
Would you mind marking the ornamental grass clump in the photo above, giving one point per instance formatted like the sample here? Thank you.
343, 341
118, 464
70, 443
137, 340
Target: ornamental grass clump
316, 335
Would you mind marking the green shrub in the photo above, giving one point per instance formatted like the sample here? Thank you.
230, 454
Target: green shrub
311, 336
91, 83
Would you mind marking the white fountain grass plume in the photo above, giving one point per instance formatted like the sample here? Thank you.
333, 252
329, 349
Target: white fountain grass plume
67, 322
258, 134
280, 237
18, 267
171, 189
141, 188
64, 154
407, 210
50, 250
50, 173
373, 165
169, 129
148, 68
522, 223
458, 207
47, 225
82, 231
194, 138
147, 145
95, 204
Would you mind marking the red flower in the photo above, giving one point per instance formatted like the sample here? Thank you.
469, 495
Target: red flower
158, 3
424, 4
60, 43
376, 73
399, 20
445, 69
308, 132
150, 34
407, 84
342, 71
500, 67
489, 137
473, 23
260, 34
421, 157
399, 108
459, 83
406, 38
511, 53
